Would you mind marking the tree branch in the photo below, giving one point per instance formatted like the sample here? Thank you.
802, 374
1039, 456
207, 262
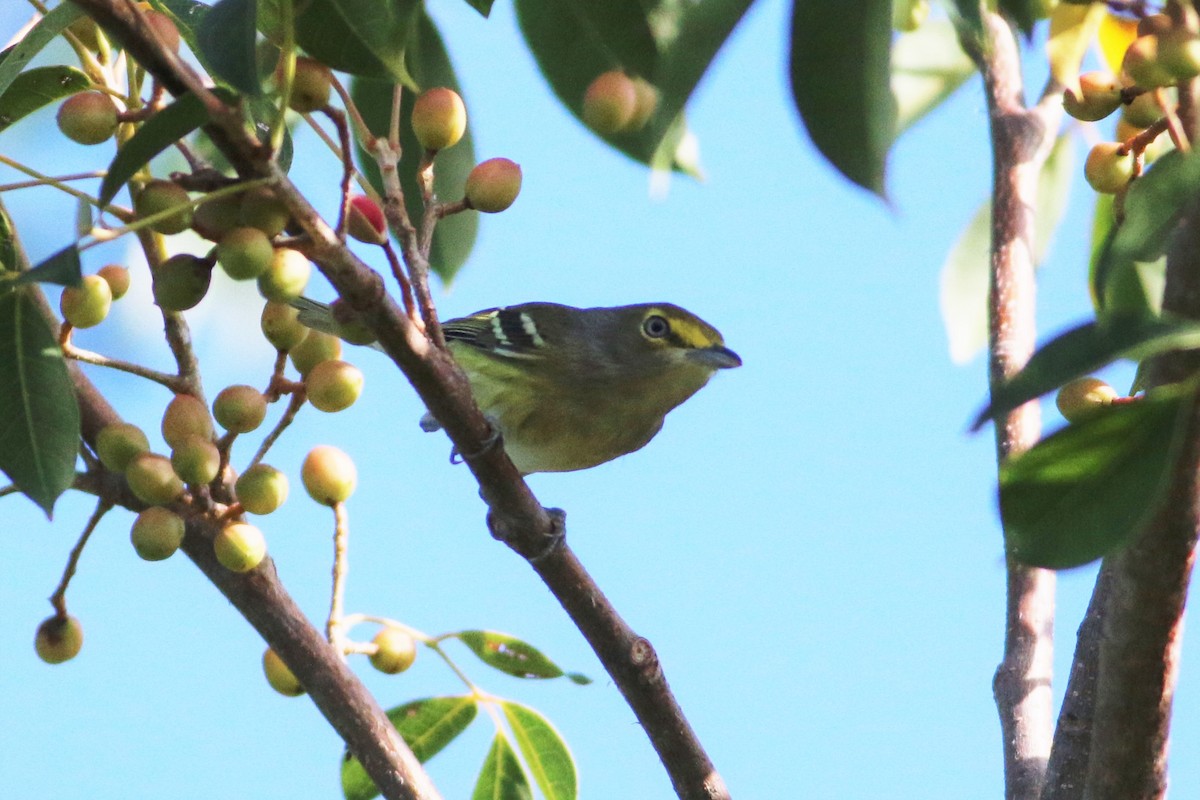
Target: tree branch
527, 527
1021, 140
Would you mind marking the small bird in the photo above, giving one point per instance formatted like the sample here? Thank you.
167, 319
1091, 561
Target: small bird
570, 388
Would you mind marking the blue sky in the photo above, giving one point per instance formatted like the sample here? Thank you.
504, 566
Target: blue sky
811, 543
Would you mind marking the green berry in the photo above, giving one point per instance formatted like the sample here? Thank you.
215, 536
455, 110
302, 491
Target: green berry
439, 118
88, 117
493, 185
281, 325
287, 275
117, 278
329, 475
1099, 95
646, 105
1083, 397
396, 652
245, 253
262, 489
86, 305
58, 639
609, 103
1144, 66
240, 547
196, 461
1179, 53
1107, 169
240, 409
119, 443
186, 416
152, 480
311, 86
157, 533
333, 385
157, 197
181, 282
315, 348
263, 210
212, 219
279, 676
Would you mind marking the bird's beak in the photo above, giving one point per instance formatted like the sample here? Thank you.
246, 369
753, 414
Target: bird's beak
716, 357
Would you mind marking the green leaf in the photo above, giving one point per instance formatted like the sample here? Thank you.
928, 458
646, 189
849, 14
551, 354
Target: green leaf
227, 36
39, 87
840, 75
426, 726
1081, 493
454, 236
1153, 207
1085, 349
155, 135
1025, 13
970, 16
61, 268
362, 37
964, 278
501, 777
509, 654
39, 416
11, 258
484, 7
17, 57
928, 64
545, 752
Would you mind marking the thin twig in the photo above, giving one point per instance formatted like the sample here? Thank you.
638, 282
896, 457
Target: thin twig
59, 598
339, 121
341, 567
294, 406
402, 279
172, 382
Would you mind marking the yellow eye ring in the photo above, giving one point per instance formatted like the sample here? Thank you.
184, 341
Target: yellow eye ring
656, 326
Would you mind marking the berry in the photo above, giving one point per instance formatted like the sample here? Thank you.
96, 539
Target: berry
263, 210
88, 117
1179, 53
181, 282
119, 443
240, 547
907, 15
329, 475
1154, 25
186, 416
87, 32
87, 304
157, 533
281, 325
164, 28
366, 222
439, 118
1144, 110
279, 676
152, 480
397, 651
493, 185
646, 105
333, 385
261, 489
117, 278
1099, 95
196, 461
310, 86
58, 639
315, 348
609, 103
1082, 397
212, 219
1107, 169
285, 277
158, 196
1143, 66
239, 409
245, 253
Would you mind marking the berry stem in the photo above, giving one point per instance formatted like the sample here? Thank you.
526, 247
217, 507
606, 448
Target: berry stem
59, 598
341, 567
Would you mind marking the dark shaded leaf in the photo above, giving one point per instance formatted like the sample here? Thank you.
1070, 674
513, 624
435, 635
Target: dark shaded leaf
1081, 493
426, 726
1025, 13
226, 36
840, 75
454, 236
622, 30
544, 750
39, 416
501, 777
61, 268
509, 654
39, 87
362, 37
970, 15
484, 7
17, 57
1085, 349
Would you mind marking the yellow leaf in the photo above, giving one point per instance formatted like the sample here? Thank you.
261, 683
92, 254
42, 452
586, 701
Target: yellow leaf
1115, 36
1072, 28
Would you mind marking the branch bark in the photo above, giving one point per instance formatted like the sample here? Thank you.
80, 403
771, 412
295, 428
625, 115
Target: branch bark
515, 515
1021, 140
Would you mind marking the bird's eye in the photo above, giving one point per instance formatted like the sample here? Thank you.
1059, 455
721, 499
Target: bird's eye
656, 327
